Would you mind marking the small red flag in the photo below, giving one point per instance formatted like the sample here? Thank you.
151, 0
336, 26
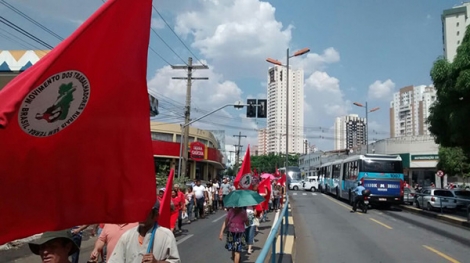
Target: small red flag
165, 206
277, 174
282, 181
75, 138
244, 179
266, 184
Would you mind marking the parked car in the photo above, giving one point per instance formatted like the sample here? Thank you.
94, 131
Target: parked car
462, 194
433, 199
311, 183
409, 195
295, 184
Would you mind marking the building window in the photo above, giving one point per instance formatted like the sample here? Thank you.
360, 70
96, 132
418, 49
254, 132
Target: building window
158, 136
458, 33
457, 23
458, 42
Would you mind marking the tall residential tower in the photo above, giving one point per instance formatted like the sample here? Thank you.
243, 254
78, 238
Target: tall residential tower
454, 24
276, 119
350, 132
409, 110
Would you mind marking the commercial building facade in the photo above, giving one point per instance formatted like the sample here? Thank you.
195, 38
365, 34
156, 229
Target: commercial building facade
276, 115
13, 62
205, 160
409, 110
262, 142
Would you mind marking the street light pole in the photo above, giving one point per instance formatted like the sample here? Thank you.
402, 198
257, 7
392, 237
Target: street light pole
277, 62
183, 126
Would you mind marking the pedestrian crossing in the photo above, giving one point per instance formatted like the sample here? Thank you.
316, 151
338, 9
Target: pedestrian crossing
304, 193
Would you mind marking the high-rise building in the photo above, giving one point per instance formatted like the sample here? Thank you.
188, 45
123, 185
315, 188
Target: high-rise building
409, 110
276, 119
262, 142
454, 24
350, 132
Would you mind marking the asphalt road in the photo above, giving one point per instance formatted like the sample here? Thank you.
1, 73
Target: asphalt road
326, 231
198, 243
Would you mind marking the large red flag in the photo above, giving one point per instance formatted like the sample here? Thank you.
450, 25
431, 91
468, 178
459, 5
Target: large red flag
165, 206
244, 179
75, 147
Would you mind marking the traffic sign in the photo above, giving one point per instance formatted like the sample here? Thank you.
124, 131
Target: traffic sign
440, 173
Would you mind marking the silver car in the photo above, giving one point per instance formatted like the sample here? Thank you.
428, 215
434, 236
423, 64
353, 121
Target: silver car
431, 199
462, 194
409, 195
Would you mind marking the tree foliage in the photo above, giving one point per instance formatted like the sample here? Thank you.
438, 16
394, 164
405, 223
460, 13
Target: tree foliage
453, 161
268, 163
449, 115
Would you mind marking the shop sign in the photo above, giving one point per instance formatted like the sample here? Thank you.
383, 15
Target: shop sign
196, 150
425, 157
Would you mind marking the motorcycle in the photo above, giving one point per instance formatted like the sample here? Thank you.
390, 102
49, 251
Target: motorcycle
363, 203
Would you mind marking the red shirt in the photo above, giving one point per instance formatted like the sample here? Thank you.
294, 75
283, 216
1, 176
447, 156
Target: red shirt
177, 202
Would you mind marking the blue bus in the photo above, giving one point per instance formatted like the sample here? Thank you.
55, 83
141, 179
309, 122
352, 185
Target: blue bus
381, 174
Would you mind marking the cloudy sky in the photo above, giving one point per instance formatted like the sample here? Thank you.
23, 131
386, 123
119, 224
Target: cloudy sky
361, 50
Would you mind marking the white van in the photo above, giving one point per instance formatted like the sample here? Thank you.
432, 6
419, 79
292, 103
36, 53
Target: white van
311, 183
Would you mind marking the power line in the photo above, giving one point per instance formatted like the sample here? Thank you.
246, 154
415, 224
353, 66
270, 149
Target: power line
159, 55
16, 39
164, 42
182, 42
23, 32
14, 9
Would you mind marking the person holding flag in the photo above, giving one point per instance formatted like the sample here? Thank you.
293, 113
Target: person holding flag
147, 243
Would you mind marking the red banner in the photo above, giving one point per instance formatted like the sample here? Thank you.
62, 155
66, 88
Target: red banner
196, 149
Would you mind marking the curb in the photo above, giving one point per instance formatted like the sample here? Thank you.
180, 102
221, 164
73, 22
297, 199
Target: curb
288, 241
446, 218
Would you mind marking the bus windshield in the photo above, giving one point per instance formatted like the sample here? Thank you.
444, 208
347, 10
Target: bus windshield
381, 166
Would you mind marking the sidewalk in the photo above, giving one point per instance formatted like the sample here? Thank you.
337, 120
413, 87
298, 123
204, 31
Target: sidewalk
452, 219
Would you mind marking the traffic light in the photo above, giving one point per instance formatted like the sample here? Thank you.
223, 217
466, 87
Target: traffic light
251, 108
261, 109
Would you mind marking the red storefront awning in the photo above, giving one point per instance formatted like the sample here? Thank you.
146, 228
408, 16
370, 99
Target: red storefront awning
164, 148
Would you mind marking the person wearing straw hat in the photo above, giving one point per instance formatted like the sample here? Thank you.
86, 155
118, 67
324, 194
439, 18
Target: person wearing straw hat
147, 243
54, 247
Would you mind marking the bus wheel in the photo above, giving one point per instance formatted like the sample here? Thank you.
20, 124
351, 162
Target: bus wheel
337, 193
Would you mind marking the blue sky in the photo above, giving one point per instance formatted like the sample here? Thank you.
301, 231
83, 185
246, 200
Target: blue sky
360, 51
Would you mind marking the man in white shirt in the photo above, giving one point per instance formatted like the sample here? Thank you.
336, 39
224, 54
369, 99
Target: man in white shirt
133, 245
200, 192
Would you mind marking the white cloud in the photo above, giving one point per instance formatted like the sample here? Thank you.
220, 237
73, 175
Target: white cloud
247, 27
313, 61
381, 90
157, 23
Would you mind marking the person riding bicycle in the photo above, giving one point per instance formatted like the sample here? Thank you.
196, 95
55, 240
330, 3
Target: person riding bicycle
358, 192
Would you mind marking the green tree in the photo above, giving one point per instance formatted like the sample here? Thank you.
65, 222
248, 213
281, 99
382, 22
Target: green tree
268, 163
453, 161
449, 115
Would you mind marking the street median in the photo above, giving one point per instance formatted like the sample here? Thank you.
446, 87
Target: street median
457, 221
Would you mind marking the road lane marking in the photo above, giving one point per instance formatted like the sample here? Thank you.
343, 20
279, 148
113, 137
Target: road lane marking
294, 194
304, 194
314, 194
341, 204
380, 223
450, 259
184, 239
217, 219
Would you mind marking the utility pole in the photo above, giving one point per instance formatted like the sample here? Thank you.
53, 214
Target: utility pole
189, 67
305, 147
237, 155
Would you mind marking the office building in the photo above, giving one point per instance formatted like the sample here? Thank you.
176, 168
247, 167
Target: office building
454, 23
409, 110
276, 119
350, 132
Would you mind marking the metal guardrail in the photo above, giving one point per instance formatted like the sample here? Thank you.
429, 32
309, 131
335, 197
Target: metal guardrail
423, 203
270, 244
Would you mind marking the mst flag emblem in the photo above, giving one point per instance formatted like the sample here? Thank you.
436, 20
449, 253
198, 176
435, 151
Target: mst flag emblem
55, 104
245, 181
